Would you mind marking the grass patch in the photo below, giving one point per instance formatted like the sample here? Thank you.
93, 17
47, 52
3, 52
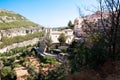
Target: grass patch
17, 24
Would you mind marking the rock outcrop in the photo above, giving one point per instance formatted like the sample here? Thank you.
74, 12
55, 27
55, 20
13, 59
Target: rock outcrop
19, 31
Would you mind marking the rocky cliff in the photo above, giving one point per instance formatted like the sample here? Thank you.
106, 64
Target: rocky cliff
13, 24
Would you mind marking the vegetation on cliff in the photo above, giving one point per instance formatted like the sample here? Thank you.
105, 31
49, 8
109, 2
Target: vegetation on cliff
8, 41
17, 24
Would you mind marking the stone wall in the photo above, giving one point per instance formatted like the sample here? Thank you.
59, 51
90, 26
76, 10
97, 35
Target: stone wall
21, 44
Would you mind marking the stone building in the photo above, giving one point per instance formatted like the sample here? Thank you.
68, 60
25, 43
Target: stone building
55, 35
86, 24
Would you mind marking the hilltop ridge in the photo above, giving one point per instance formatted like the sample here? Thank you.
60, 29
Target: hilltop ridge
10, 19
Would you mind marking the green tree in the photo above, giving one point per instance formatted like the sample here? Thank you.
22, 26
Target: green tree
79, 56
70, 24
59, 73
7, 73
33, 73
62, 38
48, 41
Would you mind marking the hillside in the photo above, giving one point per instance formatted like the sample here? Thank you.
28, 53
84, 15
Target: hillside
15, 28
9, 19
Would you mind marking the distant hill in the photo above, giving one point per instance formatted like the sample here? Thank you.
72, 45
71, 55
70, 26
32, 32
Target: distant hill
9, 19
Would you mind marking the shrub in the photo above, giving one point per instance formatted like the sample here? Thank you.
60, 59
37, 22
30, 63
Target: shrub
7, 73
49, 60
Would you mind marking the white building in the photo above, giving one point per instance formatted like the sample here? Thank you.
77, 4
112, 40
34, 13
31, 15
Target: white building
55, 35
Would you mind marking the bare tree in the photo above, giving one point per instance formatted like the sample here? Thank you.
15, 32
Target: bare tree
113, 31
106, 23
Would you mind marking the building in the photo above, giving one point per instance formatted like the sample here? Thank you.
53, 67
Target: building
55, 35
84, 25
78, 27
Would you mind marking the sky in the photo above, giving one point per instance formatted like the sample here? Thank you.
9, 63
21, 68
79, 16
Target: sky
50, 13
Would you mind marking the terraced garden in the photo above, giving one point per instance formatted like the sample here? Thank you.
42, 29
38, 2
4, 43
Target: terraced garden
25, 61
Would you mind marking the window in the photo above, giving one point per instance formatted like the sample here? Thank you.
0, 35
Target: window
27, 31
77, 23
66, 32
